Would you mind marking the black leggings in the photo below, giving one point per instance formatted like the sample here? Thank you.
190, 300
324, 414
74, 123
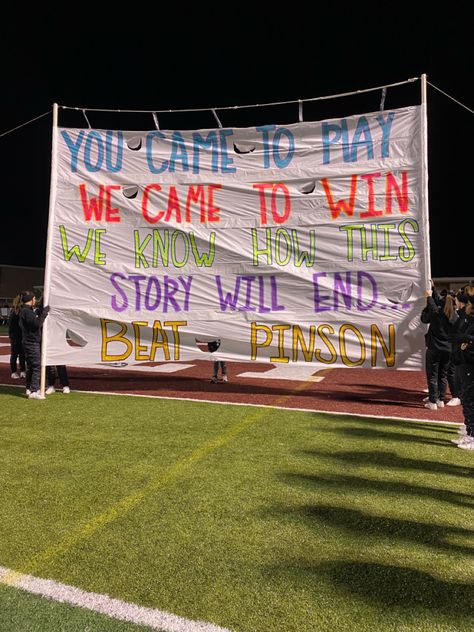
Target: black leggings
454, 379
222, 365
16, 353
467, 396
437, 363
33, 365
61, 373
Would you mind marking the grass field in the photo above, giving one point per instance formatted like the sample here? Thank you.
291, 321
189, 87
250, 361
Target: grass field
251, 518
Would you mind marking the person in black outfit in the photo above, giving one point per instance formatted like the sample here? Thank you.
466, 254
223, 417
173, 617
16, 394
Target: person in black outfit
463, 341
450, 311
31, 324
15, 335
454, 371
438, 351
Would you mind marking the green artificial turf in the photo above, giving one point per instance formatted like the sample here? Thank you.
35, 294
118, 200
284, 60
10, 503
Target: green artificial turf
254, 519
22, 612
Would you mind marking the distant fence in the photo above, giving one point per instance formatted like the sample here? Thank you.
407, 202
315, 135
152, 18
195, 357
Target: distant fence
451, 283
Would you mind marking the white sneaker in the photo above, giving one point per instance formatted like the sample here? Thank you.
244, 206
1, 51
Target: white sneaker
440, 403
454, 401
28, 392
224, 378
15, 376
459, 440
431, 406
468, 444
36, 395
66, 389
50, 390
22, 374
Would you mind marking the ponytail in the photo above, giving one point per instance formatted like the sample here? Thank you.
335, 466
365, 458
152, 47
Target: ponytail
449, 307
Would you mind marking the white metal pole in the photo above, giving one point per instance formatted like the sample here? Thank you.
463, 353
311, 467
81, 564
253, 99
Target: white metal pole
424, 181
49, 242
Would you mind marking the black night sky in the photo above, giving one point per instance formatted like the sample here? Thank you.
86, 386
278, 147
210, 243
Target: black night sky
198, 58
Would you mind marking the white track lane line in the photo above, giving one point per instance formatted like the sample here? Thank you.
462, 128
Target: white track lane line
302, 410
114, 608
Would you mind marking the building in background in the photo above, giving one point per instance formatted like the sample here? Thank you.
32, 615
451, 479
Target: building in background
14, 279
450, 283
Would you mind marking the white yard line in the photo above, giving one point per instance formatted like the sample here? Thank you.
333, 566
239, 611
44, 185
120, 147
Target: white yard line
303, 410
114, 608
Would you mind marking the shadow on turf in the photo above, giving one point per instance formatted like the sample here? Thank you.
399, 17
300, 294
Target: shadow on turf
395, 587
392, 460
375, 433
356, 483
378, 425
382, 395
369, 530
16, 392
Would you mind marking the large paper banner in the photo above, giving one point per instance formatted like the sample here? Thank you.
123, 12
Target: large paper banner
303, 244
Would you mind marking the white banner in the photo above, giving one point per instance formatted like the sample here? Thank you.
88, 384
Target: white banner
287, 244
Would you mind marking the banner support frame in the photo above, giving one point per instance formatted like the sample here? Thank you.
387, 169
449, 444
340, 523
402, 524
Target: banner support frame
424, 179
49, 241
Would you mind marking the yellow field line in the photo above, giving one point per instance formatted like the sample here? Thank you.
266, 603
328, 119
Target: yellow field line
122, 507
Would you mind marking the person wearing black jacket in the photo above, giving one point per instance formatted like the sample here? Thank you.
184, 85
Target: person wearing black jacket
15, 335
463, 342
451, 312
31, 326
438, 351
456, 360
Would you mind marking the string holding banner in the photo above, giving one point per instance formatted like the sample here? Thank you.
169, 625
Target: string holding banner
217, 118
255, 105
87, 120
236, 107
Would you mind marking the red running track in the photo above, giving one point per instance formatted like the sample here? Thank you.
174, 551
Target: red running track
352, 391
